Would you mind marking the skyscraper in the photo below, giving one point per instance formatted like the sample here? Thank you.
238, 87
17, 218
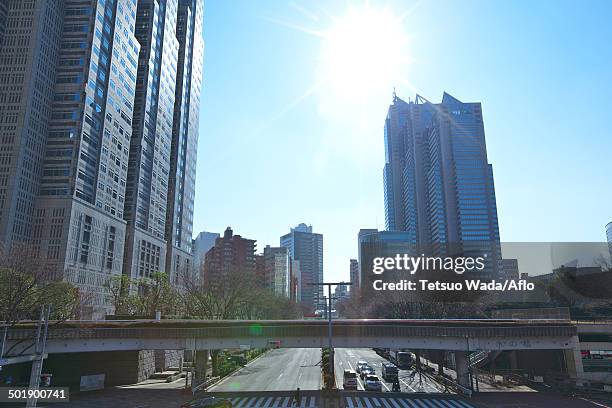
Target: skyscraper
306, 247
86, 133
146, 201
78, 216
183, 154
438, 183
354, 274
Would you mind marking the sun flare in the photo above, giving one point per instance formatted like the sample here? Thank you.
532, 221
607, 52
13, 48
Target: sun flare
364, 53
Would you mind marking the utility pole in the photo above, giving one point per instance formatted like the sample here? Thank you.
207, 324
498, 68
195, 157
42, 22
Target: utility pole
41, 344
329, 322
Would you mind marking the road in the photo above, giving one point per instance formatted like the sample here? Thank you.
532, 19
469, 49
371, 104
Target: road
287, 369
410, 381
277, 370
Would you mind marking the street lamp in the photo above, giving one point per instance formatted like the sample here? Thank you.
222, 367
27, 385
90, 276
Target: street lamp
329, 322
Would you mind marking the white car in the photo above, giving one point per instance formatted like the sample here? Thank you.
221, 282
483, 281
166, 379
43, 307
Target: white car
360, 364
372, 383
365, 371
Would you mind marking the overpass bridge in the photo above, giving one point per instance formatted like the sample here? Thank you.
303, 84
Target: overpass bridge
455, 334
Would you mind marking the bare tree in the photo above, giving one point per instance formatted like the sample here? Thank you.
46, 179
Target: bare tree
27, 281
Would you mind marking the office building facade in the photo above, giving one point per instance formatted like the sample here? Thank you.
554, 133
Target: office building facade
276, 276
354, 274
232, 257
437, 180
72, 108
184, 149
201, 245
305, 246
380, 244
511, 269
146, 202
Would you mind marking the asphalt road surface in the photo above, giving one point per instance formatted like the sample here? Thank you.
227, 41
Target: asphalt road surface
277, 370
410, 380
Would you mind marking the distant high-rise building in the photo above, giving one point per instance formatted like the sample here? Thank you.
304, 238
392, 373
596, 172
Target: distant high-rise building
260, 270
203, 242
295, 281
231, 255
438, 183
277, 270
374, 244
354, 274
609, 237
511, 269
340, 292
87, 109
306, 247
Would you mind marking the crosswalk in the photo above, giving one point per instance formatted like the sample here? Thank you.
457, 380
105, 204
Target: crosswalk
381, 402
272, 402
350, 402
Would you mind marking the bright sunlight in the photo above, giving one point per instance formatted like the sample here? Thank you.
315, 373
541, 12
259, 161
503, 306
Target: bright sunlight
364, 54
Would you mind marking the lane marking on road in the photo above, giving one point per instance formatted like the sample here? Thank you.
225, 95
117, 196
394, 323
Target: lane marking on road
407, 385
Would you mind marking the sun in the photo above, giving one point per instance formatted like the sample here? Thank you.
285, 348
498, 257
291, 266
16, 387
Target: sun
364, 53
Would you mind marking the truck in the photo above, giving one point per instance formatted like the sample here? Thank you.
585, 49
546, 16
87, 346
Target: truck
400, 357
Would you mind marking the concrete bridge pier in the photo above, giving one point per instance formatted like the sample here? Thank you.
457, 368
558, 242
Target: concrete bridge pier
462, 367
201, 366
573, 361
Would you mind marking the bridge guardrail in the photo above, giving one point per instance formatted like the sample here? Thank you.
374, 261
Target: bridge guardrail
292, 330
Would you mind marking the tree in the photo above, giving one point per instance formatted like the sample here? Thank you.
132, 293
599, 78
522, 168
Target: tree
145, 296
118, 291
155, 294
28, 281
235, 296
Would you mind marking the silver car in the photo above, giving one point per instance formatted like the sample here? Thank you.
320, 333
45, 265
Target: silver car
372, 383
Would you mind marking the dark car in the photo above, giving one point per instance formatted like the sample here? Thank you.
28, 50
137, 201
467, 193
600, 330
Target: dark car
389, 372
210, 402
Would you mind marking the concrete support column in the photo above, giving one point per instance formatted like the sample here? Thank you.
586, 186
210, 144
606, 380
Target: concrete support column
573, 361
513, 359
201, 366
462, 367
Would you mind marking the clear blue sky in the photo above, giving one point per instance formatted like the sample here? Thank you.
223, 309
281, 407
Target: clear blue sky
278, 146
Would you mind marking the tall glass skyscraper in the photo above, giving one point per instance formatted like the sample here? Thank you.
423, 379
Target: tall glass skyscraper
438, 183
87, 117
181, 184
149, 166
